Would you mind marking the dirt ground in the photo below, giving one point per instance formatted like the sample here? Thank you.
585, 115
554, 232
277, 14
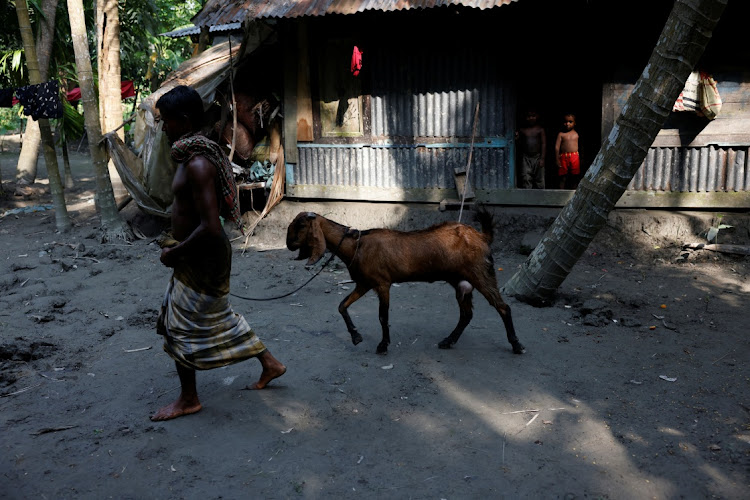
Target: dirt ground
635, 383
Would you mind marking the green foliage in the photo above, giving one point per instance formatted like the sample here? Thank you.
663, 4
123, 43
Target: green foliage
146, 58
11, 120
71, 125
11, 68
11, 65
712, 235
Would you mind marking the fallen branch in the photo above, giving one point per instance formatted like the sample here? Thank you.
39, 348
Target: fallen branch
47, 430
519, 411
19, 391
724, 356
139, 349
717, 247
51, 378
89, 258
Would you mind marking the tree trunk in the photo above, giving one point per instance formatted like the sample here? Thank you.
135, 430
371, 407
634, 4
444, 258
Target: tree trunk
68, 180
676, 54
50, 157
108, 62
112, 226
27, 160
26, 168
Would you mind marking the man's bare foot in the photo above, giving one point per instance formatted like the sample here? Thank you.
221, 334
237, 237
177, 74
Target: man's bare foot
177, 409
272, 368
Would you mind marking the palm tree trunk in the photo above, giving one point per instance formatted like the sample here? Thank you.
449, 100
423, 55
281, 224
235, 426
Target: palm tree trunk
112, 226
676, 54
50, 157
27, 160
108, 61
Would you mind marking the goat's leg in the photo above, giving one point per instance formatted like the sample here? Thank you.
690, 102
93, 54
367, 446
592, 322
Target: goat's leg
384, 296
463, 297
358, 292
492, 294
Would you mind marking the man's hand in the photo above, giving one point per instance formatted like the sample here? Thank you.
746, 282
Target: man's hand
167, 257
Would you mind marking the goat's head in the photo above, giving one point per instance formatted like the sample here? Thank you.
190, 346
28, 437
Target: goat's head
304, 234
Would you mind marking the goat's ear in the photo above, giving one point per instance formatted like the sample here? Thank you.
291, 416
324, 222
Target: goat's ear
316, 242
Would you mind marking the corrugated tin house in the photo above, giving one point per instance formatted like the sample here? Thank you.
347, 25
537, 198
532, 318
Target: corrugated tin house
398, 129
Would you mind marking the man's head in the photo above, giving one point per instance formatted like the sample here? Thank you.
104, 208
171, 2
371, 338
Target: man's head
181, 112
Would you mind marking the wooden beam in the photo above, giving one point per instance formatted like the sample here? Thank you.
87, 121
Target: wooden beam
521, 197
290, 93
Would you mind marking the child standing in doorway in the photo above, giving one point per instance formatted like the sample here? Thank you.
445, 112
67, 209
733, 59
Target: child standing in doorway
533, 146
566, 153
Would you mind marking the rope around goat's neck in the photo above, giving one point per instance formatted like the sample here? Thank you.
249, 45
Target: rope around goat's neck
333, 254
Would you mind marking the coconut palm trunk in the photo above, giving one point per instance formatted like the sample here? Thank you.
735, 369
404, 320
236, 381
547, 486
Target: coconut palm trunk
684, 38
112, 226
108, 63
27, 160
62, 219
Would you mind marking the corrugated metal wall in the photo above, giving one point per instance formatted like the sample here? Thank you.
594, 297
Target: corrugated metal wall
421, 117
407, 167
434, 95
706, 169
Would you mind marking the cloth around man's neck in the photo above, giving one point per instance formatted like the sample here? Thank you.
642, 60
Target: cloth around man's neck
195, 144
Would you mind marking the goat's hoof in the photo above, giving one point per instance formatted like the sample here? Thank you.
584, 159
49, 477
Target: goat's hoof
445, 344
356, 338
382, 349
518, 348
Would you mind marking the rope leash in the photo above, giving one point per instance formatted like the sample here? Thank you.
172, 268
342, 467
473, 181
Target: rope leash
333, 254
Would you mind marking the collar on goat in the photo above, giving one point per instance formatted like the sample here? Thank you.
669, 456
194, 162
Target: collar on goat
354, 233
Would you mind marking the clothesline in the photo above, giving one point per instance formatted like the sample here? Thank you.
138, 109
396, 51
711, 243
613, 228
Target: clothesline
43, 100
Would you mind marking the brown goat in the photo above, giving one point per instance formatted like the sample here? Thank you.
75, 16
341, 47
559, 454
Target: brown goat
377, 258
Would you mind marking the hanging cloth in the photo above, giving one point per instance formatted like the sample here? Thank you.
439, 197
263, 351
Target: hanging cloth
6, 98
710, 100
688, 99
356, 61
41, 101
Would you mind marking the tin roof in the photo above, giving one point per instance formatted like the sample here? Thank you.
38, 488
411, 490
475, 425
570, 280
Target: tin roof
227, 11
194, 30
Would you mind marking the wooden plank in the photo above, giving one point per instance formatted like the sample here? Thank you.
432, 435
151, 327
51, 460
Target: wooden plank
641, 199
304, 98
290, 94
463, 184
246, 186
719, 247
522, 197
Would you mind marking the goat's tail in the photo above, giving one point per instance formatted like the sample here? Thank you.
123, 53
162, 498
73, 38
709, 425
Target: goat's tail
486, 220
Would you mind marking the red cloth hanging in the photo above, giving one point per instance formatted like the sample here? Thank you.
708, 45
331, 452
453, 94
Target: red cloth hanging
356, 61
127, 89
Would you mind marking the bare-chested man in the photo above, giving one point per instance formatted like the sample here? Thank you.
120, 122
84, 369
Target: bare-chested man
566, 152
533, 147
200, 329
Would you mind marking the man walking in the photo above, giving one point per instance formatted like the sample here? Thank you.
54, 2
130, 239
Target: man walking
200, 329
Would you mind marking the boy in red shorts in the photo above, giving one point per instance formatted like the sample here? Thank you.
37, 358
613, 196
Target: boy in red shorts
566, 153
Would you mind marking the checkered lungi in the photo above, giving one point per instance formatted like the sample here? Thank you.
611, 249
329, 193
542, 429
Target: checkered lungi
202, 331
